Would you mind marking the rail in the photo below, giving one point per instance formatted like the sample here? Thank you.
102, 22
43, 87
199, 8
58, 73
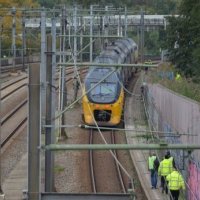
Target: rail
119, 172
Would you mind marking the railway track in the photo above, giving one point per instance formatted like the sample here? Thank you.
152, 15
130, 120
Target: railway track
120, 175
109, 185
14, 112
12, 86
9, 118
14, 104
10, 68
105, 176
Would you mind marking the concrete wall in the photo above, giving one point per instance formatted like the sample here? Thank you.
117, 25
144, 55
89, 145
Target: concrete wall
171, 112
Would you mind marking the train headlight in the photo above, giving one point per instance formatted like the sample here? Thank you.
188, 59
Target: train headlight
107, 106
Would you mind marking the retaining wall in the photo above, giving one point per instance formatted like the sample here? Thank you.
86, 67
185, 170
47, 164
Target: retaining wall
171, 112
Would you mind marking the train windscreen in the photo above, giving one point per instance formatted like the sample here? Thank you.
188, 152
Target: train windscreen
103, 89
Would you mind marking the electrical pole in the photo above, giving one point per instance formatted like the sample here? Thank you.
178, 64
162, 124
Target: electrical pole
34, 130
75, 81
125, 21
13, 36
119, 30
0, 110
23, 40
62, 88
106, 24
81, 40
101, 32
43, 67
1, 190
53, 32
142, 36
49, 135
91, 32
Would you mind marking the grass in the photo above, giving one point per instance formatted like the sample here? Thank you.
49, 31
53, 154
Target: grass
58, 169
183, 86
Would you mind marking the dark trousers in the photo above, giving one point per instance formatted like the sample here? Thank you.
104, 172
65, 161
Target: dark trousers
174, 194
164, 184
154, 176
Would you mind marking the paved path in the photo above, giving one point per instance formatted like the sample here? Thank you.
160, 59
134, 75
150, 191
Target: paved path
135, 120
17, 181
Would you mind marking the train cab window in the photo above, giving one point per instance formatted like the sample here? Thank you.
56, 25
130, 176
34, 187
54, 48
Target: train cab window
103, 89
105, 70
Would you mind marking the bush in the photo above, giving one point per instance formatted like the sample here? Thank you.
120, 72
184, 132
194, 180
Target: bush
185, 86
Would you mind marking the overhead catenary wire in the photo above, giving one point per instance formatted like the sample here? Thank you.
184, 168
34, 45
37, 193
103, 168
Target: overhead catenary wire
111, 128
120, 129
113, 155
73, 103
75, 67
84, 93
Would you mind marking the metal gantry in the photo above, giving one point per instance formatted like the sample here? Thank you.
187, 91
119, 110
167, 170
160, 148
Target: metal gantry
127, 19
45, 91
161, 146
74, 26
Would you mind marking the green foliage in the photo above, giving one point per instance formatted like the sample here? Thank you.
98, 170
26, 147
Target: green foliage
183, 40
6, 15
48, 3
184, 86
150, 6
58, 169
154, 6
152, 42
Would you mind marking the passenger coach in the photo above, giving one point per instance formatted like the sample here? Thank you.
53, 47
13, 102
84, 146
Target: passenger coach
103, 103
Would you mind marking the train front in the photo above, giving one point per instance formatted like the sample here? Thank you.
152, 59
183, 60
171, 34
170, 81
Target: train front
103, 100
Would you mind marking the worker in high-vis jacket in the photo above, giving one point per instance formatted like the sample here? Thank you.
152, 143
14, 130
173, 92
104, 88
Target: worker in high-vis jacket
175, 183
178, 77
165, 168
153, 172
170, 157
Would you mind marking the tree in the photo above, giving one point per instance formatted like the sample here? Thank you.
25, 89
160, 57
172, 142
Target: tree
152, 42
183, 40
9, 9
47, 3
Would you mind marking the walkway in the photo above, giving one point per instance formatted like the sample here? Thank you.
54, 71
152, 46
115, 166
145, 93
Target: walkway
17, 181
135, 119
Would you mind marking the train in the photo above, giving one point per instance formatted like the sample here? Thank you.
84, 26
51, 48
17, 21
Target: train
103, 99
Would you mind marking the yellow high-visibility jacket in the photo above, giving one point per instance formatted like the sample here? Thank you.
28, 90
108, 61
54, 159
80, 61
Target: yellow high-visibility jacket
151, 162
165, 167
178, 77
175, 181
